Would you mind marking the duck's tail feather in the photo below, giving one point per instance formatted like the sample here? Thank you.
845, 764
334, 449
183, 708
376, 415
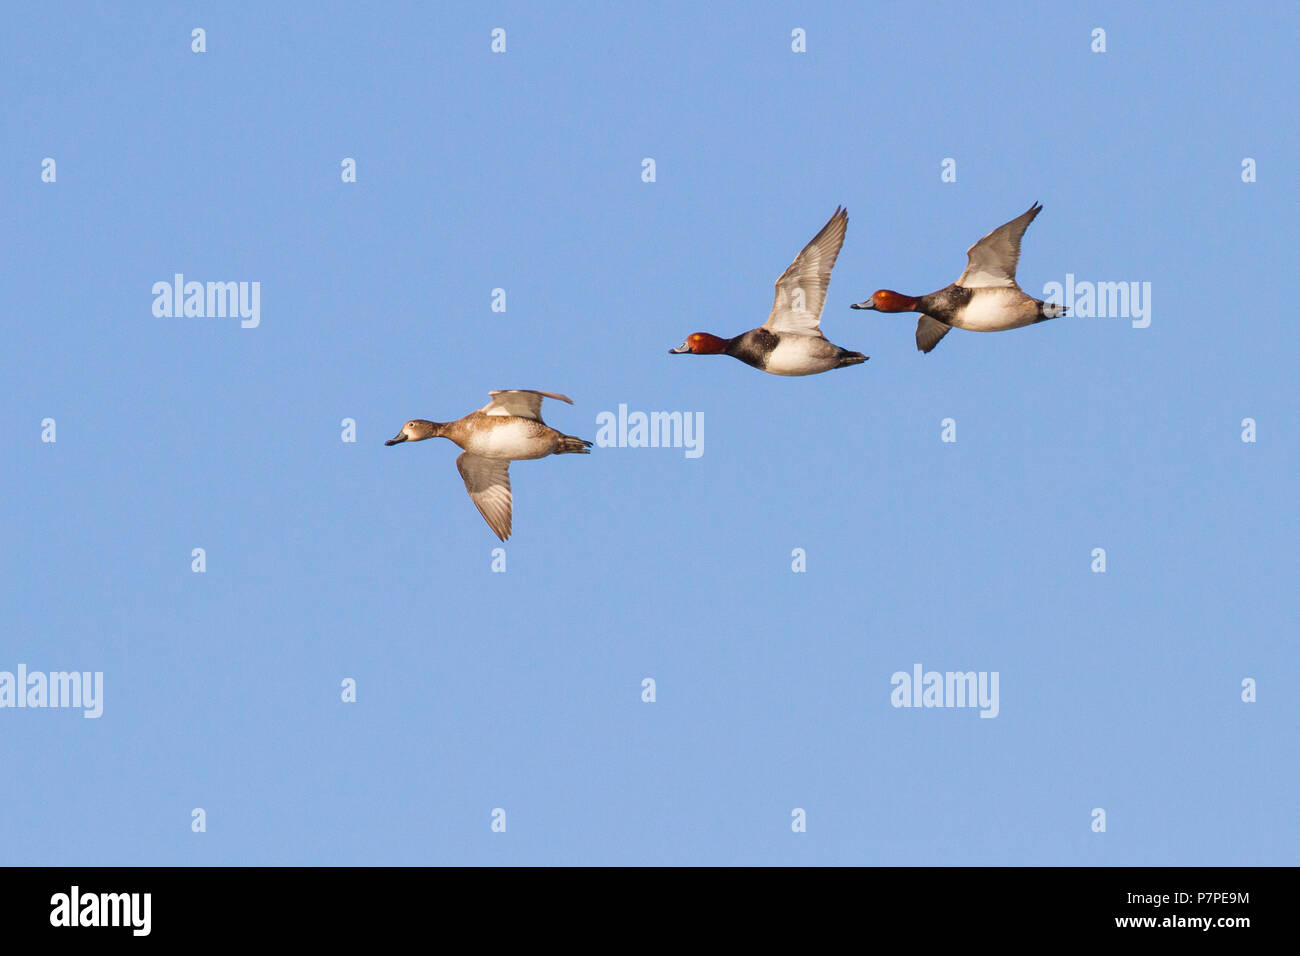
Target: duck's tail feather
851, 358
572, 446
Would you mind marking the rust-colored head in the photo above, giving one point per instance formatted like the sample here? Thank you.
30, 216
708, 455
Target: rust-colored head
886, 300
701, 343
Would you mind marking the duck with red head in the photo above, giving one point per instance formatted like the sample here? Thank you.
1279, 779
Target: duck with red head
985, 298
790, 342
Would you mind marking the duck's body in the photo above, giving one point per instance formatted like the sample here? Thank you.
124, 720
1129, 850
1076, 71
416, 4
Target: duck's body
789, 354
790, 342
502, 436
993, 309
985, 298
508, 428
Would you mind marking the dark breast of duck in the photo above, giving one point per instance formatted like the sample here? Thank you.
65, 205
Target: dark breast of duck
945, 303
753, 347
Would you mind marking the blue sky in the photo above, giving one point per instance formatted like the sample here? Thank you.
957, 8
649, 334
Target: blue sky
521, 690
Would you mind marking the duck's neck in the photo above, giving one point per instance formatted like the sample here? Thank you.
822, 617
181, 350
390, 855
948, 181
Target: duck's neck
428, 429
712, 344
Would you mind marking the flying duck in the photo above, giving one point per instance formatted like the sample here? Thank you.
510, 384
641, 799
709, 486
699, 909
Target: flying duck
508, 428
790, 342
985, 298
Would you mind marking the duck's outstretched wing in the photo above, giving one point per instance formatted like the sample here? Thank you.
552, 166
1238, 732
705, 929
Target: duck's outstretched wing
488, 482
801, 290
520, 402
992, 261
929, 331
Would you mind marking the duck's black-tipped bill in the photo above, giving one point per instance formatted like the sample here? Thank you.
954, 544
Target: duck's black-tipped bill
396, 441
863, 305
681, 349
